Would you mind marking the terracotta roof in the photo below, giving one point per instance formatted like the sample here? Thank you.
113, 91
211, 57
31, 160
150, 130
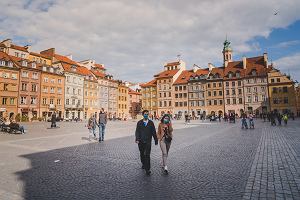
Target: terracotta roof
20, 48
19, 60
68, 68
39, 55
131, 91
173, 63
6, 57
98, 74
218, 70
184, 77
99, 66
149, 84
166, 74
65, 59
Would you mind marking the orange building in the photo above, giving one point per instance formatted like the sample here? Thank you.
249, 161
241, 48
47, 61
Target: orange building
135, 102
9, 83
149, 97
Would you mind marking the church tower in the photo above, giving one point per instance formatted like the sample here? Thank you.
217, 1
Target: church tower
227, 52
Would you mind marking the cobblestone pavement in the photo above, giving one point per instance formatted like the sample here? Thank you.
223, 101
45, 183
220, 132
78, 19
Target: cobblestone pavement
207, 161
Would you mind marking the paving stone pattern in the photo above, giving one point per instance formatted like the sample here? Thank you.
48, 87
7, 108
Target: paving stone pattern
219, 161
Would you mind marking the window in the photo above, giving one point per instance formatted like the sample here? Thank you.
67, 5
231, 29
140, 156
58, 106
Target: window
209, 93
240, 91
255, 89
255, 98
17, 54
220, 102
14, 76
228, 101
24, 87
23, 100
233, 91
68, 78
227, 84
73, 101
5, 86
33, 100
52, 90
227, 92
25, 74
51, 101
67, 101
275, 101
263, 97
233, 83
35, 75
238, 75
253, 72
52, 81
45, 89
12, 101
79, 91
274, 90
285, 89
58, 101
214, 85
176, 88
239, 83
240, 101
233, 101
215, 93
263, 89
59, 90
249, 99
59, 81
209, 102
176, 96
215, 102
272, 80
34, 88
45, 79
68, 90
248, 89
285, 100
4, 99
74, 92
278, 80
220, 93
220, 84
208, 85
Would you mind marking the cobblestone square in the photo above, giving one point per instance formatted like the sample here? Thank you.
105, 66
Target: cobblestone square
206, 161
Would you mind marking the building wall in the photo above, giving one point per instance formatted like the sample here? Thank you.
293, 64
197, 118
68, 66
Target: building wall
196, 99
9, 87
234, 96
214, 97
112, 98
256, 95
52, 94
91, 98
164, 96
39, 59
123, 102
103, 91
29, 92
281, 92
73, 94
149, 99
180, 99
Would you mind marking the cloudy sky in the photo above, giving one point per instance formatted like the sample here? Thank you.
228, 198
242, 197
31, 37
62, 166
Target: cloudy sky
134, 38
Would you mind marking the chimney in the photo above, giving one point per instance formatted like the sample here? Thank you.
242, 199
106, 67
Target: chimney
48, 52
244, 62
7, 42
225, 63
28, 47
266, 59
195, 68
210, 66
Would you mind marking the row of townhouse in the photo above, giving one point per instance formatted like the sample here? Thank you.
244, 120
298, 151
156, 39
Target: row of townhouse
35, 85
248, 85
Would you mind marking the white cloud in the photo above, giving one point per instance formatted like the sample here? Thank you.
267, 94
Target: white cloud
290, 65
287, 44
135, 37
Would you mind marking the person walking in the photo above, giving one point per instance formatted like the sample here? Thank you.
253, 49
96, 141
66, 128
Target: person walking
165, 135
92, 126
279, 118
102, 124
53, 120
285, 119
144, 132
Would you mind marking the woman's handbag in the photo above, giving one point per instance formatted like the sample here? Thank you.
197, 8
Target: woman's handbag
168, 138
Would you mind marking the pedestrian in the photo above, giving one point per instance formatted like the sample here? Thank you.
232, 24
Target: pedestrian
92, 126
285, 119
272, 119
145, 130
102, 124
279, 118
164, 135
244, 121
264, 116
53, 120
220, 116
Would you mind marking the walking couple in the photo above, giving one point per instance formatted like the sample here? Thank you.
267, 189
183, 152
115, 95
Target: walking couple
145, 130
92, 123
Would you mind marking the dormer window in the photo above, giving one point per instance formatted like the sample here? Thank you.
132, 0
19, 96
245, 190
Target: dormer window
230, 75
254, 72
73, 68
10, 64
44, 68
217, 75
51, 69
2, 62
24, 63
238, 74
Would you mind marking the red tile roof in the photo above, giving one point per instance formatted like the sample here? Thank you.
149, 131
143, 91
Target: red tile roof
98, 74
20, 48
184, 77
6, 57
149, 84
65, 59
166, 74
131, 91
218, 70
40, 55
99, 66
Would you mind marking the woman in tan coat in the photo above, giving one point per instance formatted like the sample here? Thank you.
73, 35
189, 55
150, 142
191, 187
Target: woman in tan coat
165, 135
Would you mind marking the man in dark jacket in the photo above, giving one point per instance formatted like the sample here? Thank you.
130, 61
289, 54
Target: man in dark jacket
145, 130
102, 124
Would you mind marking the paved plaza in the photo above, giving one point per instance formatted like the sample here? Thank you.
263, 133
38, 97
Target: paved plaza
206, 161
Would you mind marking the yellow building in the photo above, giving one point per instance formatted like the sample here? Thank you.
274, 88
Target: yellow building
39, 58
149, 97
281, 92
297, 90
52, 92
91, 94
123, 101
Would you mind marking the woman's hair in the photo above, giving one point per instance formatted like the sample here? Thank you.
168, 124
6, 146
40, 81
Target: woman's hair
162, 119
